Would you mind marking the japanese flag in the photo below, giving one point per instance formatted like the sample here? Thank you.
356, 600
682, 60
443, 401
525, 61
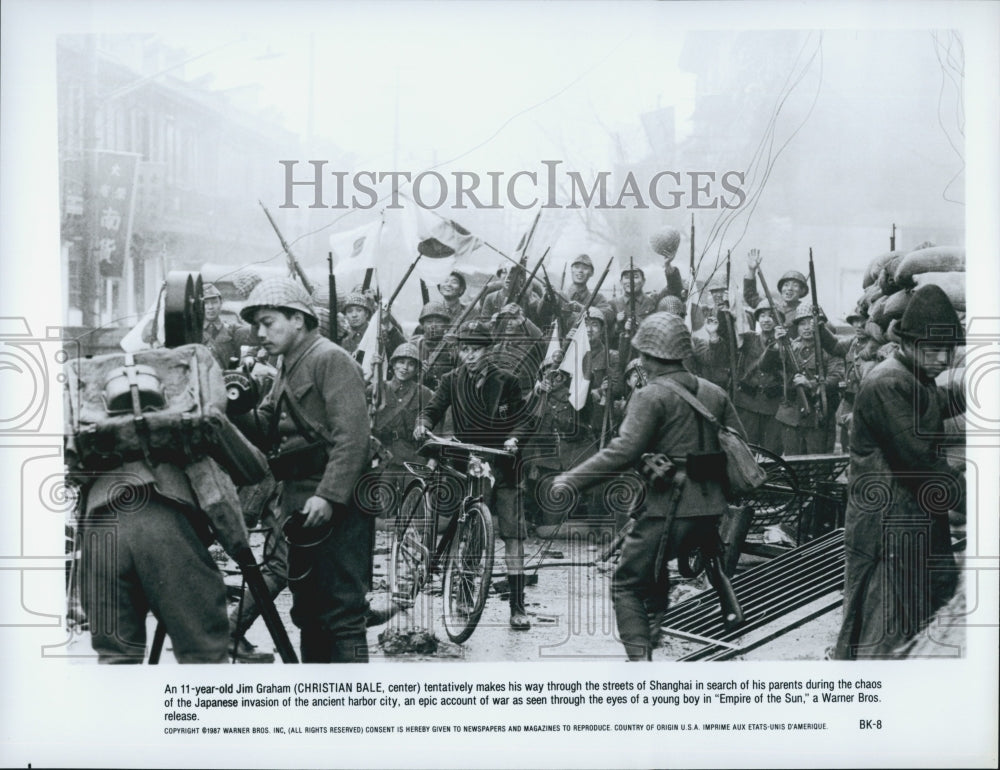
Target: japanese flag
573, 364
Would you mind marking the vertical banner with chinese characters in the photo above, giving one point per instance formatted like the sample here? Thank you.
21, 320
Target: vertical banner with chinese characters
111, 207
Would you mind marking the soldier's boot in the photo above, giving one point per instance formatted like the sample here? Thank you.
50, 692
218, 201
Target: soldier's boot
351, 649
248, 653
518, 617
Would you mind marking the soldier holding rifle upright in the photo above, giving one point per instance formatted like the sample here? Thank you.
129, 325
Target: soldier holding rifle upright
317, 420
792, 287
685, 497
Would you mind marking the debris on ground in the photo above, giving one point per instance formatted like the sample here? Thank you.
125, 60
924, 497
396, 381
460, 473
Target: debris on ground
399, 642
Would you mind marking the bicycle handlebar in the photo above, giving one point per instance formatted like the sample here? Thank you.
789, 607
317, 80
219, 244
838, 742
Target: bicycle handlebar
436, 445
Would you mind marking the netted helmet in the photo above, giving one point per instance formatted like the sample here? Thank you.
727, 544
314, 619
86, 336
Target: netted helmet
278, 292
663, 335
672, 304
634, 365
434, 310
665, 241
406, 350
357, 299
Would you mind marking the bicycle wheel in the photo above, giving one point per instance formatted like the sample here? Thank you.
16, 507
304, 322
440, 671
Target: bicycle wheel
410, 555
467, 573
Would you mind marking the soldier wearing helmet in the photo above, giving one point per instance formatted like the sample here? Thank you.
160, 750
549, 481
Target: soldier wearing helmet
513, 283
658, 420
318, 430
401, 400
645, 304
760, 381
437, 355
221, 337
791, 287
665, 242
518, 344
488, 408
581, 270
807, 433
358, 310
602, 364
900, 561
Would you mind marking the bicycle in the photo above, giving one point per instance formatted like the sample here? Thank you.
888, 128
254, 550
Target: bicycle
452, 484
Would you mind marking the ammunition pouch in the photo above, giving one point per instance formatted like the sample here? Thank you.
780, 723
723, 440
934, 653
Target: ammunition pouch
706, 466
304, 462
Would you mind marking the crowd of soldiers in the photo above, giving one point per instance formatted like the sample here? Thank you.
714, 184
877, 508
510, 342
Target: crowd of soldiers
494, 371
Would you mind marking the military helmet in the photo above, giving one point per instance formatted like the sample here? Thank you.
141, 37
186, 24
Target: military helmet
855, 315
665, 241
663, 335
717, 283
672, 304
405, 350
802, 312
357, 299
795, 275
434, 310
278, 292
930, 317
210, 291
633, 365
762, 306
475, 333
583, 259
595, 314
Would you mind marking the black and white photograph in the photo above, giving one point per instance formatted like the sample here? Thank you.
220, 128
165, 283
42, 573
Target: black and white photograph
622, 376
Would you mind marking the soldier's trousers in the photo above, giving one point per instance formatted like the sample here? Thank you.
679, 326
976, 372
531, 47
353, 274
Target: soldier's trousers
330, 581
641, 593
151, 559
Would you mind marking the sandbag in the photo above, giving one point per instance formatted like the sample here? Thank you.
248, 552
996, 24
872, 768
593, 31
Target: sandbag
952, 283
937, 259
875, 313
894, 305
876, 266
887, 278
872, 293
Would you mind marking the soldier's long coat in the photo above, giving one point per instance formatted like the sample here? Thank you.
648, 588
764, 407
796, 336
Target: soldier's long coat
900, 490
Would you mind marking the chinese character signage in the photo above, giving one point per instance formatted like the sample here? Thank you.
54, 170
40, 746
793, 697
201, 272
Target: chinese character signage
111, 210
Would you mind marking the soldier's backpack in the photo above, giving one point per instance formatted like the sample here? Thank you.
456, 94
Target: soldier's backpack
159, 405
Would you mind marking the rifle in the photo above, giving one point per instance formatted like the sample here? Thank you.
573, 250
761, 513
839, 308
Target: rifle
786, 345
817, 343
527, 284
399, 286
456, 324
293, 264
552, 297
425, 295
332, 279
625, 338
692, 267
731, 334
892, 238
